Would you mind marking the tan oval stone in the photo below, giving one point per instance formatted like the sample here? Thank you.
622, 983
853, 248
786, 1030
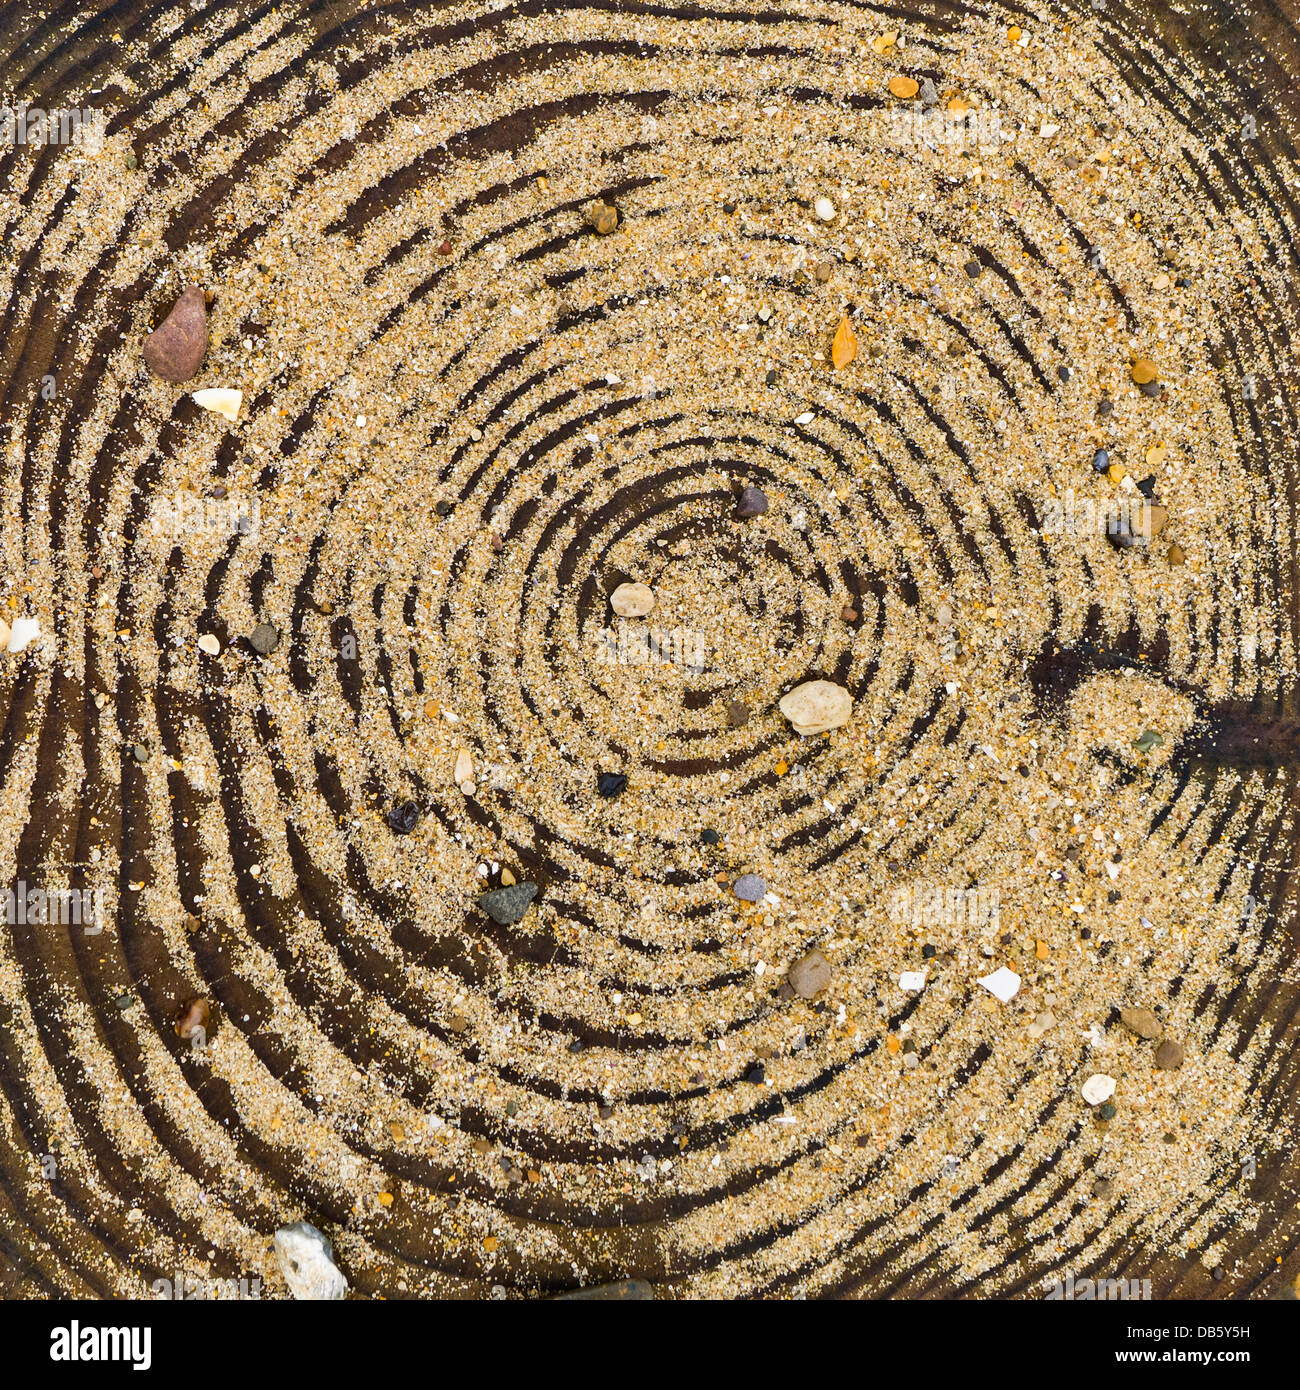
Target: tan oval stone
816, 706
632, 600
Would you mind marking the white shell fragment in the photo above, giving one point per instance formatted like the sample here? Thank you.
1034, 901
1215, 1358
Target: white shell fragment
23, 632
1002, 984
464, 769
208, 643
912, 981
816, 706
632, 600
221, 399
306, 1259
1098, 1088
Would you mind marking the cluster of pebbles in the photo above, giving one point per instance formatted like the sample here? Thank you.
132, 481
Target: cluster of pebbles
546, 633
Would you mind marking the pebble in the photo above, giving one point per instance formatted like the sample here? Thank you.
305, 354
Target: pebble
175, 349
402, 817
610, 783
750, 888
1169, 1055
1002, 984
23, 633
1142, 1022
464, 769
903, 87
632, 600
1101, 460
817, 706
306, 1259
1098, 1087
929, 97
506, 906
1176, 555
221, 400
848, 614
710, 837
603, 217
264, 638
1043, 1023
825, 209
140, 753
737, 713
209, 644
974, 269
194, 1019
752, 502
810, 975
1144, 371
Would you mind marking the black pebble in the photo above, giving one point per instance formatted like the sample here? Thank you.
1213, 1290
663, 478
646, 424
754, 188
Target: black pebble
610, 783
771, 377
1101, 460
1106, 1111
1147, 487
1152, 388
402, 816
752, 502
927, 951
1085, 934
1113, 896
973, 269
756, 1076
710, 837
444, 508
575, 1046
1218, 1274
1063, 373
1105, 406
728, 208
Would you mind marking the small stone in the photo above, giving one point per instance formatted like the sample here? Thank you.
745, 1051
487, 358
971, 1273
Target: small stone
710, 837
1176, 555
973, 269
209, 644
140, 753
602, 217
817, 706
929, 97
822, 271
737, 714
848, 614
1101, 460
220, 399
508, 880
1103, 1187
1142, 1022
1098, 1088
306, 1259
756, 1075
1169, 1055
264, 638
810, 975
1043, 1023
903, 87
632, 600
506, 906
402, 817
752, 502
1107, 1111
464, 768
1003, 984
825, 209
610, 783
1144, 371
174, 350
194, 1021
750, 888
